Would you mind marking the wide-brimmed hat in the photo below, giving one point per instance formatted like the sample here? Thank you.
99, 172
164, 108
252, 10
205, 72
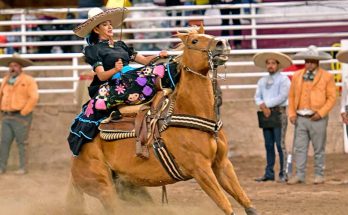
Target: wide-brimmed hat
342, 56
5, 61
261, 58
312, 53
97, 16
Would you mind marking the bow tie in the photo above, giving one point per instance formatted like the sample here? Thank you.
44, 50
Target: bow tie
308, 76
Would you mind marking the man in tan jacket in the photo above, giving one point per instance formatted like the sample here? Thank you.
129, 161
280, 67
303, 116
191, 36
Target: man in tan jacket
18, 97
312, 95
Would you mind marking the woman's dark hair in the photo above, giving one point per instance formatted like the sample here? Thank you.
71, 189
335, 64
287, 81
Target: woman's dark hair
93, 38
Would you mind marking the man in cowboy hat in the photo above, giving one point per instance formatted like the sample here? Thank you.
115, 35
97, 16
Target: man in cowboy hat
312, 95
18, 97
272, 96
342, 56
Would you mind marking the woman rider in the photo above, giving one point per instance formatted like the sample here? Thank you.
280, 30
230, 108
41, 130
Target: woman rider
115, 82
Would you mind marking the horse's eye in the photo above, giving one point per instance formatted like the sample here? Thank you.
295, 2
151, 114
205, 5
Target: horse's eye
194, 41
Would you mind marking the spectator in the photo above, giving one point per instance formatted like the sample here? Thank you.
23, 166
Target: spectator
200, 2
159, 23
52, 38
170, 12
312, 95
16, 28
3, 40
272, 96
342, 57
247, 10
18, 97
118, 3
89, 3
236, 22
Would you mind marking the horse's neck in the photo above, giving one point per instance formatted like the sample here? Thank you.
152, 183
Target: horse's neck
194, 96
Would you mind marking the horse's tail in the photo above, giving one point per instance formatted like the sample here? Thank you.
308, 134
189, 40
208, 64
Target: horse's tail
74, 200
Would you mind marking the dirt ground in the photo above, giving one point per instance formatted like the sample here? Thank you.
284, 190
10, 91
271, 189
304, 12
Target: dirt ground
43, 189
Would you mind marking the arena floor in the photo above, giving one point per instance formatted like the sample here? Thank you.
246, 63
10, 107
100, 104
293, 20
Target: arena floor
43, 190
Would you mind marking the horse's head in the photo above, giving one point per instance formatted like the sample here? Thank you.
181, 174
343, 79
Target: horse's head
200, 50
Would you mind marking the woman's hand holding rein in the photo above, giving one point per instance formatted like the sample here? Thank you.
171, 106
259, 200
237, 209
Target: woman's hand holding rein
163, 54
118, 65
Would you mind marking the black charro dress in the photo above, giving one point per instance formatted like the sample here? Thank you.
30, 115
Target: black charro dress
132, 86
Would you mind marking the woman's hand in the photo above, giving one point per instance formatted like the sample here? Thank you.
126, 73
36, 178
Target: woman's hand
118, 65
163, 54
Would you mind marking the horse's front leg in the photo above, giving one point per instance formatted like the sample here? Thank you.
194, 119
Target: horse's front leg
205, 177
227, 177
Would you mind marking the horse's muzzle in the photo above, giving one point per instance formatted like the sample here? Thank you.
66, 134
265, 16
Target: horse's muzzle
222, 49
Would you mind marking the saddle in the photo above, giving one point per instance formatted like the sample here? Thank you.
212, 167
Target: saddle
138, 121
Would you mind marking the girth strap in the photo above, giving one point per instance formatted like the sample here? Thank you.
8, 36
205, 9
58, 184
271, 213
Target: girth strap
167, 160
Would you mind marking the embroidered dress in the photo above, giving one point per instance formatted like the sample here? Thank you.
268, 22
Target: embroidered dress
131, 86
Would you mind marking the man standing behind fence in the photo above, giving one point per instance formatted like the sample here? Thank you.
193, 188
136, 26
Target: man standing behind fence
18, 97
272, 98
312, 95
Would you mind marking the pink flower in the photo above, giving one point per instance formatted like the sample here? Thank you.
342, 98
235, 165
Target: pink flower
120, 89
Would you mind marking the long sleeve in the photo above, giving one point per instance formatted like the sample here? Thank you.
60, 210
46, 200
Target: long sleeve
330, 97
291, 106
258, 94
344, 97
282, 96
33, 97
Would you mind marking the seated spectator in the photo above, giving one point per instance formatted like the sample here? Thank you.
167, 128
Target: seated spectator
235, 22
56, 48
14, 39
147, 25
3, 40
88, 3
170, 12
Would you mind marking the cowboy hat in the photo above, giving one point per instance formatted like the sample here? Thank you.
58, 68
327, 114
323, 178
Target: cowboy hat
261, 58
5, 61
342, 56
312, 53
97, 16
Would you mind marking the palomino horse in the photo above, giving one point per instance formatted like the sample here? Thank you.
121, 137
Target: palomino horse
198, 154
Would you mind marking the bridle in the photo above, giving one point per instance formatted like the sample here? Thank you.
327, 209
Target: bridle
213, 68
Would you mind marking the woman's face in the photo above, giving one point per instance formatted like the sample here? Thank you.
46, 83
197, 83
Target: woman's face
104, 30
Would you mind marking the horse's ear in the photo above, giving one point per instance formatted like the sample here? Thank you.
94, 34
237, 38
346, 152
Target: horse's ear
182, 36
201, 29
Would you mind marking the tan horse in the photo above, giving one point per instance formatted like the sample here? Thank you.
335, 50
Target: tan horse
198, 154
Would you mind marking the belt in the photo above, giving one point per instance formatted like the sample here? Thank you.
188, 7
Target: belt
10, 112
305, 116
278, 109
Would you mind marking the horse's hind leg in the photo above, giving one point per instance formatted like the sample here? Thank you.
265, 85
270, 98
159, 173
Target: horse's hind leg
131, 193
92, 175
74, 200
227, 177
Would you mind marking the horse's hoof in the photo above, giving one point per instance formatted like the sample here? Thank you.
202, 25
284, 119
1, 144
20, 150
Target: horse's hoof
251, 211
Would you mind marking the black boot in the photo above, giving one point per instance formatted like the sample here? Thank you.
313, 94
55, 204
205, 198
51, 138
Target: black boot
115, 115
